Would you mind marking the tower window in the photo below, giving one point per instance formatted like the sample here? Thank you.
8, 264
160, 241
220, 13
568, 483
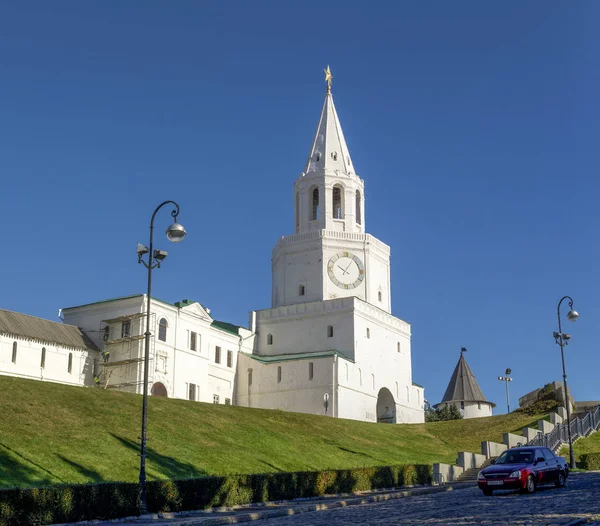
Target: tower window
43, 360
70, 364
379, 295
462, 405
330, 331
269, 339
358, 208
478, 405
249, 377
334, 156
318, 156
14, 353
301, 290
337, 203
310, 370
315, 205
217, 354
162, 331
368, 333
279, 374
398, 346
297, 211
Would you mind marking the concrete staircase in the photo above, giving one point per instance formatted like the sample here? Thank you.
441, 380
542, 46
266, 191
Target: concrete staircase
550, 434
470, 475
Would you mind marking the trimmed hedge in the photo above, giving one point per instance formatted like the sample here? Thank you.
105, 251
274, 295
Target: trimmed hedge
38, 506
589, 461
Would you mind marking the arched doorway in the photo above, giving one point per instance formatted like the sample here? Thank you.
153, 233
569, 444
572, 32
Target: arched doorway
386, 407
159, 389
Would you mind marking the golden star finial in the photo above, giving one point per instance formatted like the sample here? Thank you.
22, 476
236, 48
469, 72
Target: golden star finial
328, 77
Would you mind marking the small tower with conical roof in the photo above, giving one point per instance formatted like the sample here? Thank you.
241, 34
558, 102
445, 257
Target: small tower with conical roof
464, 392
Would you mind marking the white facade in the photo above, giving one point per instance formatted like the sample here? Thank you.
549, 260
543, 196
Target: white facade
192, 356
37, 355
471, 409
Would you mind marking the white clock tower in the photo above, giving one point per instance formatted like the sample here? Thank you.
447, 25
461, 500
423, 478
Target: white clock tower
329, 255
329, 344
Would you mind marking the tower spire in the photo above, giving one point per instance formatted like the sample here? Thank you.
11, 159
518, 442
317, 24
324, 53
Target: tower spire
329, 152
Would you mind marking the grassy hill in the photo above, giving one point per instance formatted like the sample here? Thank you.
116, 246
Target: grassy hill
590, 444
51, 433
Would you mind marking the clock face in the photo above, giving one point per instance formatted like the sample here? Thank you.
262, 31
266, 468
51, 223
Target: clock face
346, 270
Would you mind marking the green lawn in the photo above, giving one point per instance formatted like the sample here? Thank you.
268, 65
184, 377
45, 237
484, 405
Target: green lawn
590, 444
51, 433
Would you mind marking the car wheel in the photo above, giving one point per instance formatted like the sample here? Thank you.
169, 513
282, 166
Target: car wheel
560, 481
530, 486
487, 492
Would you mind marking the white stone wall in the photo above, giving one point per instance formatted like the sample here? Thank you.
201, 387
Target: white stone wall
472, 409
174, 363
56, 364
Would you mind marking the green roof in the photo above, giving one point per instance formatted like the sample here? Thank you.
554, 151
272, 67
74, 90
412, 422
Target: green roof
115, 299
227, 327
298, 356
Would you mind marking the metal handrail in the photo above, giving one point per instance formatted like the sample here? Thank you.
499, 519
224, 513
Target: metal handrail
579, 427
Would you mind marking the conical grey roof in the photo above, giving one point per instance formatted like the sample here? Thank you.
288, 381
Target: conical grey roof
463, 386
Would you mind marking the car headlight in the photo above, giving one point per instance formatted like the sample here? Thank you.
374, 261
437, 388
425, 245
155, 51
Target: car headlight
515, 475
480, 476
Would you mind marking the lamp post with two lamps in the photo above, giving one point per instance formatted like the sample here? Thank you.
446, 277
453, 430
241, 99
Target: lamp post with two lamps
175, 233
562, 340
506, 379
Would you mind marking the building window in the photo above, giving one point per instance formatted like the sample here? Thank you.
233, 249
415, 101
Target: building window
126, 329
106, 335
398, 346
279, 374
249, 377
229, 359
479, 405
217, 354
297, 210
43, 360
269, 339
358, 210
379, 295
368, 333
397, 391
227, 401
70, 365
162, 329
215, 399
360, 377
310, 370
192, 341
301, 290
192, 392
14, 353
338, 209
314, 212
462, 405
330, 331
373, 381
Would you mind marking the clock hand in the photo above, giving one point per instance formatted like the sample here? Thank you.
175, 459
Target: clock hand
344, 271
349, 265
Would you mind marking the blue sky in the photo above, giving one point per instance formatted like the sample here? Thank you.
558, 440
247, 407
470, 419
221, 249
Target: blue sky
475, 126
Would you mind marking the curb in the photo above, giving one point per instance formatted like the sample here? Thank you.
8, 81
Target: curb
306, 508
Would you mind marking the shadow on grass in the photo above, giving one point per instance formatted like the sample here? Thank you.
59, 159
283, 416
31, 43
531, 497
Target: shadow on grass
90, 475
161, 466
17, 470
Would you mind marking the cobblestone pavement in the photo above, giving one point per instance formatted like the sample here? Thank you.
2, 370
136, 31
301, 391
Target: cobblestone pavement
580, 499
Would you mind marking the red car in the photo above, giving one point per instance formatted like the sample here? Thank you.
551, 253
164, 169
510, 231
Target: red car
523, 468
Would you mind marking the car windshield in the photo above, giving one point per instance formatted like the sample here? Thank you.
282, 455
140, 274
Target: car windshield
515, 457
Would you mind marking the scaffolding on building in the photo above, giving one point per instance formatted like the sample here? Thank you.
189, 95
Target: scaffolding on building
122, 363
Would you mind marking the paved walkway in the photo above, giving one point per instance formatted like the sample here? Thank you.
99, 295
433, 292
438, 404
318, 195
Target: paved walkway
577, 503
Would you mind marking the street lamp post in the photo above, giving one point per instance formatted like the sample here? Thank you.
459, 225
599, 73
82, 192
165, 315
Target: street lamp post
562, 340
175, 233
506, 379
